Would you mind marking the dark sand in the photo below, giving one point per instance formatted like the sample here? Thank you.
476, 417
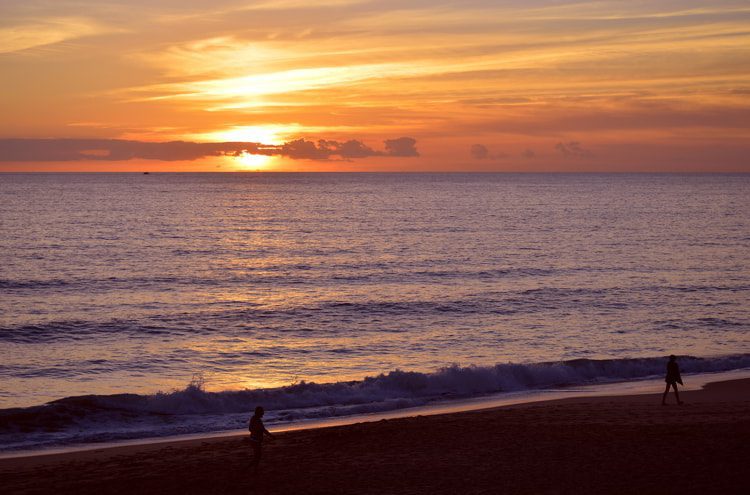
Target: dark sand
625, 444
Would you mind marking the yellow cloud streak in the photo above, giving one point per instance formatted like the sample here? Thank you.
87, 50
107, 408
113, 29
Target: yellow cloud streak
248, 91
247, 88
46, 32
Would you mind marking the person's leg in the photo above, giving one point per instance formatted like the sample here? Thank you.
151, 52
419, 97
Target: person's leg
664, 396
676, 393
257, 451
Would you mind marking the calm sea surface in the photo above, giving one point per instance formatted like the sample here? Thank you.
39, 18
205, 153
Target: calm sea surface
130, 283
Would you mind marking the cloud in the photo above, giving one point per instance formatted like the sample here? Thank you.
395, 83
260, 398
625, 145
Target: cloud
573, 149
247, 91
528, 153
347, 150
24, 36
403, 146
481, 152
65, 150
354, 149
302, 149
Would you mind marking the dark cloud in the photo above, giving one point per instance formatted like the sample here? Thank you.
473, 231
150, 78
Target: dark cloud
528, 153
481, 152
572, 149
63, 150
346, 150
354, 149
302, 149
403, 146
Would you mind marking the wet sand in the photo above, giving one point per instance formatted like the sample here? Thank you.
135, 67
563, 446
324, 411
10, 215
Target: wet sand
621, 444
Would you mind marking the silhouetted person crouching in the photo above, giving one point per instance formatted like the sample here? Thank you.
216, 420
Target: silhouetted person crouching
257, 432
673, 378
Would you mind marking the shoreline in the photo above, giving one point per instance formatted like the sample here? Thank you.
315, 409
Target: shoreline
614, 444
614, 389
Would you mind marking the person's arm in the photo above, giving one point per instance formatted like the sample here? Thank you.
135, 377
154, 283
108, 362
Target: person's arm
268, 433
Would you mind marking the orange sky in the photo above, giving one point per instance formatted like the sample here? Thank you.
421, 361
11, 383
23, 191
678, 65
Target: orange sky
478, 85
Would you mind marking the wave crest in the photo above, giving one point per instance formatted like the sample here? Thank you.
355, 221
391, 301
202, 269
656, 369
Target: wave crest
193, 409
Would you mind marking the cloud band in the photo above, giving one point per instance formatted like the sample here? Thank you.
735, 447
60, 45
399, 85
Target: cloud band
65, 150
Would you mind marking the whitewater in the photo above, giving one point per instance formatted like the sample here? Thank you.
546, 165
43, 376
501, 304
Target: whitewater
331, 295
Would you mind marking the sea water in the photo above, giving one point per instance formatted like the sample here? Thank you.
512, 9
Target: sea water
146, 305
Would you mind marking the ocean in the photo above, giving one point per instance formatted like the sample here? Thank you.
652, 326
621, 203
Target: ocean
137, 305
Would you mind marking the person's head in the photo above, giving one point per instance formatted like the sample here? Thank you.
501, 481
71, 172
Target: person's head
259, 411
673, 358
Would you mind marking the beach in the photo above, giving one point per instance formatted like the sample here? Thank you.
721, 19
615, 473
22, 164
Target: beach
615, 444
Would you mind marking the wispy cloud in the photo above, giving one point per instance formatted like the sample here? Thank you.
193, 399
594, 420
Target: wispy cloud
249, 91
33, 34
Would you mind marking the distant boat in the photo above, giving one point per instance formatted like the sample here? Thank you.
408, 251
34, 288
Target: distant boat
146, 173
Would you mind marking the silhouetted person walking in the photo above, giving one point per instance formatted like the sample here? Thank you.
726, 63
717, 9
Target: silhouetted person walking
257, 432
673, 378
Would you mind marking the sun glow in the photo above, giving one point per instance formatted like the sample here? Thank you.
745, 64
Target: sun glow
246, 161
251, 89
265, 134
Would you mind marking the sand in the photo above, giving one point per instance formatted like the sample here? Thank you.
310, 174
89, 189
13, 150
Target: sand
623, 444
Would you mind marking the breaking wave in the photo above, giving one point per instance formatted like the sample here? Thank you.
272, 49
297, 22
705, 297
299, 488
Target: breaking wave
95, 418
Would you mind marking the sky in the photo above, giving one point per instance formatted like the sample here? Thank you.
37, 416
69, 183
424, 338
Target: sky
348, 85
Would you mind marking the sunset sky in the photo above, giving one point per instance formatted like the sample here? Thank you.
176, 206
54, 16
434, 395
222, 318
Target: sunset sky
346, 85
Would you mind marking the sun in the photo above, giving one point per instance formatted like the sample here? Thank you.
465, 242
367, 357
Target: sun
247, 161
270, 134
